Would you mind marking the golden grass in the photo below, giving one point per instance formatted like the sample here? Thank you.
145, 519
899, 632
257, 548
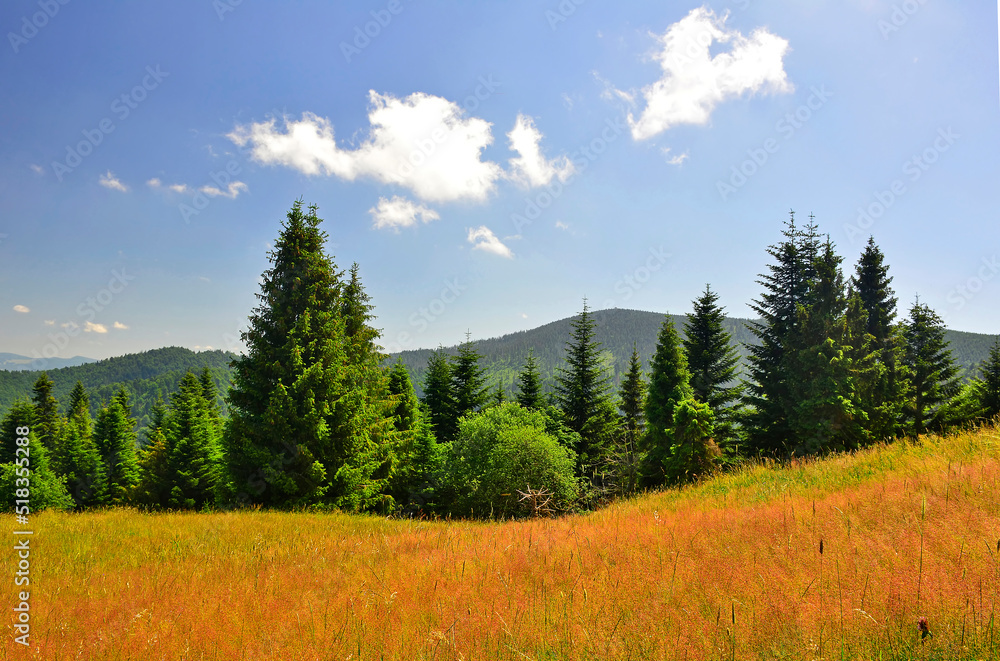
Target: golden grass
729, 569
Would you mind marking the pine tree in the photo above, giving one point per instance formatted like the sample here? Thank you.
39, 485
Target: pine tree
712, 362
990, 370
669, 384
631, 404
469, 387
114, 437
933, 376
882, 402
310, 413
529, 382
583, 393
439, 397
48, 424
787, 286
153, 490
25, 473
192, 447
78, 458
416, 453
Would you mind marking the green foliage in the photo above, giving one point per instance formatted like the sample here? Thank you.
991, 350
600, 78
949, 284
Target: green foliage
529, 382
693, 454
25, 467
932, 373
439, 397
417, 456
47, 421
310, 413
469, 390
191, 434
153, 490
712, 361
78, 459
500, 451
115, 440
669, 384
583, 393
990, 370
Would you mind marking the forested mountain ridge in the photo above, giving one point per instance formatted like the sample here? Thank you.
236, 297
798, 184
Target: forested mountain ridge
617, 329
15, 362
147, 376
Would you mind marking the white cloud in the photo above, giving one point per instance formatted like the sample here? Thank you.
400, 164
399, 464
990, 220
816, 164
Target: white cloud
119, 326
531, 168
482, 238
154, 183
561, 225
231, 191
37, 169
400, 212
524, 315
198, 347
178, 188
109, 180
694, 82
49, 322
91, 327
423, 142
674, 160
23, 309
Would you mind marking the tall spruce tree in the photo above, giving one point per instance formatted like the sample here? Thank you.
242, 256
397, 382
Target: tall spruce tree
416, 453
25, 473
439, 397
115, 439
669, 385
583, 393
469, 387
78, 459
712, 362
632, 408
310, 414
529, 392
933, 376
153, 490
48, 424
786, 286
882, 402
192, 447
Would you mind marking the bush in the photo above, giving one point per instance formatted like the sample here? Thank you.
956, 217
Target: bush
503, 450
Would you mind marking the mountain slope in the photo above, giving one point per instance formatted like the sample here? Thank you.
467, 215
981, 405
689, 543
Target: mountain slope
15, 362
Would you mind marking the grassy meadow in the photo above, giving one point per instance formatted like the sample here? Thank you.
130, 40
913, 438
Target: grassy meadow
830, 559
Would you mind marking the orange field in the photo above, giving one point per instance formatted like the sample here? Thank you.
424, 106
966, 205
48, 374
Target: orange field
833, 559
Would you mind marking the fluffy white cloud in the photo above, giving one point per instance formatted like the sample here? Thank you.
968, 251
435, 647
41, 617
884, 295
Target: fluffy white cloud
109, 180
482, 238
23, 309
560, 225
423, 142
674, 160
531, 168
49, 322
400, 212
91, 327
694, 82
154, 183
119, 326
231, 191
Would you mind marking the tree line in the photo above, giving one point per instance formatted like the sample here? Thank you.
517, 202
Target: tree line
316, 419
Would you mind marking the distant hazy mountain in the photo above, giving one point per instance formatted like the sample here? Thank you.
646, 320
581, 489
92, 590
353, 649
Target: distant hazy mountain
15, 363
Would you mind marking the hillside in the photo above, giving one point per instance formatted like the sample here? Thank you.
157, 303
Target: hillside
146, 375
15, 362
503, 357
833, 559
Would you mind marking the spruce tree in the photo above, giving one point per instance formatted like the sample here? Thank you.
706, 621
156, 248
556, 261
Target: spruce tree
469, 387
933, 376
990, 373
883, 401
669, 384
631, 404
712, 362
583, 393
115, 439
786, 287
309, 409
25, 473
416, 453
529, 394
78, 459
192, 447
47, 421
153, 490
439, 397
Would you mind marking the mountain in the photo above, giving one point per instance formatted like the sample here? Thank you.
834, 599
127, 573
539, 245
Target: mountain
147, 376
617, 329
14, 362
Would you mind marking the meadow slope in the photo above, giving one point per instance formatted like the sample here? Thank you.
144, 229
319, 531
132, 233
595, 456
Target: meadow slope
823, 560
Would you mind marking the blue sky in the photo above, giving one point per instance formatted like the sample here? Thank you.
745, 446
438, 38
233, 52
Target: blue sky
487, 164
